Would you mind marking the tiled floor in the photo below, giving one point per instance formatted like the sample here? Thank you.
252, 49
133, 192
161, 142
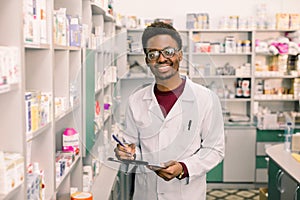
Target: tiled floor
232, 194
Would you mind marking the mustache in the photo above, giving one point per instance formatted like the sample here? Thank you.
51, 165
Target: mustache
163, 63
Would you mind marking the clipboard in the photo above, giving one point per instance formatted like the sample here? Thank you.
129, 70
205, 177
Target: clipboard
138, 162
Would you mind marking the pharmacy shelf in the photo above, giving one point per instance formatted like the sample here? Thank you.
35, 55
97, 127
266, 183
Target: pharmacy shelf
135, 54
66, 113
236, 100
97, 9
277, 103
38, 65
277, 100
221, 54
276, 76
67, 173
9, 88
62, 47
51, 68
219, 77
221, 30
99, 58
11, 193
137, 77
275, 30
37, 46
41, 130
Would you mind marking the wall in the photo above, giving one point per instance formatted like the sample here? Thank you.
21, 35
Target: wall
177, 9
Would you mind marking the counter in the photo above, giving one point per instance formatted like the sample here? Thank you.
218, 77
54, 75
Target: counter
285, 160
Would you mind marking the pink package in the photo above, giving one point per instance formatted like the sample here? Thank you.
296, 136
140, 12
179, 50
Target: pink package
70, 140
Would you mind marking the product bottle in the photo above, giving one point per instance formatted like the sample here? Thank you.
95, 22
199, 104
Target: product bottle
288, 136
37, 191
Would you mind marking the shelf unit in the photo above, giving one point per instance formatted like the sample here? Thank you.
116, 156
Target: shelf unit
97, 60
46, 68
60, 71
205, 65
100, 61
12, 126
276, 103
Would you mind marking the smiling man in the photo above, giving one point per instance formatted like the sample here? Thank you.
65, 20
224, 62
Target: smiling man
173, 122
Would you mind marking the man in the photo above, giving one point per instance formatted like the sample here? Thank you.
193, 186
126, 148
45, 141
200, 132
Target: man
173, 122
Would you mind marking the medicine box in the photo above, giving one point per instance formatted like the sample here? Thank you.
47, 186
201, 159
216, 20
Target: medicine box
282, 20
11, 172
75, 31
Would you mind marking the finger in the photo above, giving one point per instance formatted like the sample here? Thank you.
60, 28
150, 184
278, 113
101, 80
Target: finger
120, 154
124, 150
126, 155
170, 163
132, 148
163, 175
153, 168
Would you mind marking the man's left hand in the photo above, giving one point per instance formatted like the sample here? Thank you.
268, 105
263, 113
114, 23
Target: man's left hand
173, 169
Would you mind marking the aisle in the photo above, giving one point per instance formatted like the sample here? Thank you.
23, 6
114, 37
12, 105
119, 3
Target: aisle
232, 194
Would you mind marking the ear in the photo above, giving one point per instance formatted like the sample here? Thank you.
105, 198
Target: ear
180, 55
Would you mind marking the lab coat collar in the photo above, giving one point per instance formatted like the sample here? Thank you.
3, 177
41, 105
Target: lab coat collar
186, 97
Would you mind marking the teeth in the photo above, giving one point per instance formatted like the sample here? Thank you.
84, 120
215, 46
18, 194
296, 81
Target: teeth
163, 69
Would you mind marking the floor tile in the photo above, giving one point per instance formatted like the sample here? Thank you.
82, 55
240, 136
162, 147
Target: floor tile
232, 194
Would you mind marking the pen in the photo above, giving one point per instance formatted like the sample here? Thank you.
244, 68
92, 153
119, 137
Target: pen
117, 140
189, 125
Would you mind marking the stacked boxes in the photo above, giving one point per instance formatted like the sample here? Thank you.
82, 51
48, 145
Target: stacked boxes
9, 65
11, 171
37, 109
197, 21
67, 30
287, 21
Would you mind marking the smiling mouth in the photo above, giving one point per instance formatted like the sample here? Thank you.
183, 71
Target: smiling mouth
164, 68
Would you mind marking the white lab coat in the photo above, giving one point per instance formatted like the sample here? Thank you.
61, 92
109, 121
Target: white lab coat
192, 132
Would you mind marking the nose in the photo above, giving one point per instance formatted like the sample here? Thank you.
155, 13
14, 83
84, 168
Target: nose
161, 58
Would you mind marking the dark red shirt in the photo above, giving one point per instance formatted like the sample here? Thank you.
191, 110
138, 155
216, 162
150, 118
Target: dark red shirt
166, 101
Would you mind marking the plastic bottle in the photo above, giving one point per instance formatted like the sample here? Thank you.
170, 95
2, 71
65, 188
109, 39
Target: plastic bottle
36, 171
288, 136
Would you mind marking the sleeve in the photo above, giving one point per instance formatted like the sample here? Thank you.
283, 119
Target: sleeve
130, 133
212, 148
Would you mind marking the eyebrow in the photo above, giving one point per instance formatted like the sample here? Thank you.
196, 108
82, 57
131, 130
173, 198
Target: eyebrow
148, 50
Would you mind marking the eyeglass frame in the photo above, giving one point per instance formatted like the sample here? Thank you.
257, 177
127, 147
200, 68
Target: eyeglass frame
161, 52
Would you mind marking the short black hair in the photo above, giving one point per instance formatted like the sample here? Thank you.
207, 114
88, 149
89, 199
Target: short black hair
160, 28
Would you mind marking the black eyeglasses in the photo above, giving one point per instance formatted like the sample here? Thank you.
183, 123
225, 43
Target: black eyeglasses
168, 52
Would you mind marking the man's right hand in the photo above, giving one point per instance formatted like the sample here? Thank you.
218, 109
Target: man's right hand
125, 153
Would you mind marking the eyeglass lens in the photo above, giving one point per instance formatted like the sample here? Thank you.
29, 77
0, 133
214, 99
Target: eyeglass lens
167, 53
